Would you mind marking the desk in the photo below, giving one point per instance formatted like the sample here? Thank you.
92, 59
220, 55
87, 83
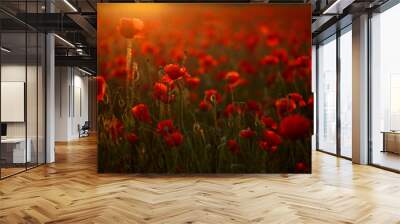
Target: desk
16, 147
391, 141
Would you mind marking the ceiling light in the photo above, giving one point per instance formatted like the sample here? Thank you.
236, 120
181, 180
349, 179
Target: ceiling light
70, 5
337, 7
84, 71
5, 50
65, 41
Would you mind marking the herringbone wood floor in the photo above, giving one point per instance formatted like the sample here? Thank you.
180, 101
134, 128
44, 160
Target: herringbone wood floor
70, 191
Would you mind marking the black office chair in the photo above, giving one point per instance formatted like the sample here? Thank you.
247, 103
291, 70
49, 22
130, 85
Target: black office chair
84, 130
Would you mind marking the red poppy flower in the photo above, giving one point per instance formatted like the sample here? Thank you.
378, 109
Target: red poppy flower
177, 54
167, 99
230, 109
120, 61
232, 77
132, 138
160, 61
297, 97
272, 40
207, 61
220, 76
246, 67
285, 105
200, 71
129, 27
174, 139
303, 61
165, 127
174, 71
192, 82
263, 145
160, 89
213, 96
148, 48
141, 113
302, 103
281, 54
247, 133
268, 122
251, 42
289, 75
270, 79
272, 137
160, 92
269, 60
240, 82
168, 81
205, 106
295, 126
273, 148
253, 106
233, 146
101, 88
300, 166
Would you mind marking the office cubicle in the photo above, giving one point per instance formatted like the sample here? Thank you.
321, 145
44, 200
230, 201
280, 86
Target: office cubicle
22, 77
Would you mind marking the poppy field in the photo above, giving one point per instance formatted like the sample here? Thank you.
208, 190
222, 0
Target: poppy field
204, 88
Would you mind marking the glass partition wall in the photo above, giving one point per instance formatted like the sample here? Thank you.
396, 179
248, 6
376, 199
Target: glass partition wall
22, 77
385, 89
334, 94
345, 92
326, 99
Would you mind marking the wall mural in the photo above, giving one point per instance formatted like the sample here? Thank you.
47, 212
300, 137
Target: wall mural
204, 88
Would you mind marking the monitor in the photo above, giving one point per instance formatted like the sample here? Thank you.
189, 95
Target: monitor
3, 129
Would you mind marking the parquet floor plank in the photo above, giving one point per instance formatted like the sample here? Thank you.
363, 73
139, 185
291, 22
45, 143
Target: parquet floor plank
71, 191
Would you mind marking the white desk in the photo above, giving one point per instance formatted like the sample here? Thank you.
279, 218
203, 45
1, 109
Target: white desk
18, 144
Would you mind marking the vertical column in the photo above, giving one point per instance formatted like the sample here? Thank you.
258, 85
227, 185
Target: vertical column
360, 90
62, 103
338, 99
50, 92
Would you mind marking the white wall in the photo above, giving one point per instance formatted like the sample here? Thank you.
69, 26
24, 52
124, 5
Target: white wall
62, 81
71, 102
16, 73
